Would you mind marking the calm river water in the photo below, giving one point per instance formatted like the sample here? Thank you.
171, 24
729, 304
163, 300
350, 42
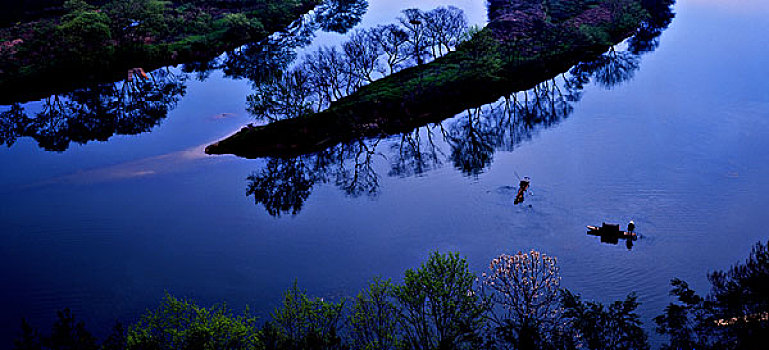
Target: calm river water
106, 228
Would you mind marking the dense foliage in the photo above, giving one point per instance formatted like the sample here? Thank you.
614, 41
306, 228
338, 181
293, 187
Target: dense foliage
440, 305
518, 304
92, 41
734, 315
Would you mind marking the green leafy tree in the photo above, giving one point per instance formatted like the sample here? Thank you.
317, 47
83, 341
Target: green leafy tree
74, 6
304, 323
181, 324
439, 308
374, 318
86, 35
140, 20
238, 27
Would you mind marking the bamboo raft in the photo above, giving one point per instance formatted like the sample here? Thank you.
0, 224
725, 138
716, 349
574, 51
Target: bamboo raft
610, 231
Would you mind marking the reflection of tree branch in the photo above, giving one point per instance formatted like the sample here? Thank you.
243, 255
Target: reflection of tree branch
472, 137
362, 178
413, 156
609, 69
282, 186
263, 61
472, 141
647, 37
97, 112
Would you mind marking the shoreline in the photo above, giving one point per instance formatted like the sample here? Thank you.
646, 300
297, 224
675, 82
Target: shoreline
518, 49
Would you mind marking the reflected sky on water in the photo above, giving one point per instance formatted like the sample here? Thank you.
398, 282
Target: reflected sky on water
106, 227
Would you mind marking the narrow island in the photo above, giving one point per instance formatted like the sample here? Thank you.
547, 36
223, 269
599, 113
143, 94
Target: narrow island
524, 43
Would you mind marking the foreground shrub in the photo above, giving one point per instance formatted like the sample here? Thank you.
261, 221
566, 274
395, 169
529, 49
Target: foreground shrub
67, 333
591, 325
180, 324
438, 306
304, 323
735, 315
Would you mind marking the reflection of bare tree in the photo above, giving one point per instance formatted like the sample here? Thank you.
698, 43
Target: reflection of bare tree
263, 61
289, 98
647, 37
415, 152
259, 62
356, 175
340, 15
97, 112
12, 122
282, 186
470, 139
610, 69
476, 135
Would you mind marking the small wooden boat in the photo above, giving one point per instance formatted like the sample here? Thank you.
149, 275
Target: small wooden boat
609, 230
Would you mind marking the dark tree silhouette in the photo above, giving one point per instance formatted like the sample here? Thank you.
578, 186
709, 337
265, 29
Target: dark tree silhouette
472, 140
97, 112
340, 15
282, 186
734, 315
414, 22
414, 153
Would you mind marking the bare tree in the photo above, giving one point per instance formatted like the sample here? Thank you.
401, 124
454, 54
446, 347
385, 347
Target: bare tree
418, 41
392, 41
444, 27
328, 79
362, 54
524, 290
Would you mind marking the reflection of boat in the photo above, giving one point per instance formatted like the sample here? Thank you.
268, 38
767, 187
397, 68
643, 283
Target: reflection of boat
610, 231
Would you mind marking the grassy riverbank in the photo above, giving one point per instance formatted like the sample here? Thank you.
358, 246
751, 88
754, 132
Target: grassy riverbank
80, 42
524, 43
